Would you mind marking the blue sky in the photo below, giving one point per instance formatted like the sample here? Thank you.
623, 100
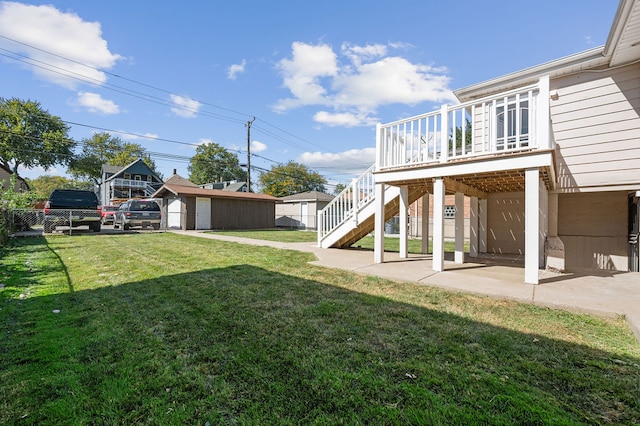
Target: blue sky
316, 76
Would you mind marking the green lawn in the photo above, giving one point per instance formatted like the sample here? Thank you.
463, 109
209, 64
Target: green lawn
391, 244
160, 328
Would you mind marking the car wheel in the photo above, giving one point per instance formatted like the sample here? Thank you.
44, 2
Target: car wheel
156, 226
125, 226
95, 227
48, 227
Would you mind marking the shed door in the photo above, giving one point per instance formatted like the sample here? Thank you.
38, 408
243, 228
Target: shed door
203, 213
174, 212
304, 214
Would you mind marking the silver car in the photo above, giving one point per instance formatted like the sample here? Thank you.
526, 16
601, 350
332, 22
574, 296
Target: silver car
137, 213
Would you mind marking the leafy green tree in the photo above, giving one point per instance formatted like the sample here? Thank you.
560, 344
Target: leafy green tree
339, 188
42, 186
103, 148
213, 163
291, 178
458, 138
31, 137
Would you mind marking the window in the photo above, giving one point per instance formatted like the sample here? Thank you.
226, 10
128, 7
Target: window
149, 178
449, 211
514, 124
127, 176
137, 177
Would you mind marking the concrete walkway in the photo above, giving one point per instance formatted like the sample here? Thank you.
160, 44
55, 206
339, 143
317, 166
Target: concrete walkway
607, 293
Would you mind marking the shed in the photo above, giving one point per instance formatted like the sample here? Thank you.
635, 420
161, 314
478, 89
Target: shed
190, 207
301, 210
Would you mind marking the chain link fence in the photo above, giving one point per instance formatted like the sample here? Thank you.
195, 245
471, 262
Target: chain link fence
34, 221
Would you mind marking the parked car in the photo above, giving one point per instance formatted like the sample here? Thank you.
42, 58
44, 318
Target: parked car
72, 207
108, 213
133, 213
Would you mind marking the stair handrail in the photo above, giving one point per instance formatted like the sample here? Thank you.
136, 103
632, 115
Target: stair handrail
346, 204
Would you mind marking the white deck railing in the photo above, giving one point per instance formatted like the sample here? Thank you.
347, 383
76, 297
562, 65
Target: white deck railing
346, 205
494, 125
135, 184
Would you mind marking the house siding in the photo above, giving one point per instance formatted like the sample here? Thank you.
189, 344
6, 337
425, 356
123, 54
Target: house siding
596, 127
593, 228
505, 223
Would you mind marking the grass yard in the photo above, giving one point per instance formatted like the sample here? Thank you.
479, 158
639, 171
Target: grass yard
160, 328
391, 244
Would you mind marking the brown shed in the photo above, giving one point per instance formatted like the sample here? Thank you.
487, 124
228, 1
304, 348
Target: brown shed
190, 207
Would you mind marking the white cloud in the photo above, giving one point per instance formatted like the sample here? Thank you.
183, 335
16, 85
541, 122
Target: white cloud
353, 161
94, 103
185, 106
236, 69
367, 78
302, 74
135, 136
58, 35
343, 119
257, 146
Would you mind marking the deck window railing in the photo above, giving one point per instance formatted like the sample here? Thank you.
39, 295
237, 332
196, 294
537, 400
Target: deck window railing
487, 126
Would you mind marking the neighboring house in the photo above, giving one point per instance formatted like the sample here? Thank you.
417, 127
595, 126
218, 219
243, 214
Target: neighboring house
233, 186
301, 210
187, 206
551, 166
5, 180
135, 180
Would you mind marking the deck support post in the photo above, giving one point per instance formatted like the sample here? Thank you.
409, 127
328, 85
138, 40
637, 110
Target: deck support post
438, 224
425, 223
532, 226
473, 227
459, 228
404, 225
483, 206
378, 227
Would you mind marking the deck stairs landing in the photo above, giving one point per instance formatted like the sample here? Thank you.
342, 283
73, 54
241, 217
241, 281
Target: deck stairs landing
350, 216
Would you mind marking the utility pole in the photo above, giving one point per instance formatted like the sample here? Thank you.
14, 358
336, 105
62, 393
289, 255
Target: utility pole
248, 125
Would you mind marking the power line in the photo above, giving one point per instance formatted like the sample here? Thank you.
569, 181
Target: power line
144, 96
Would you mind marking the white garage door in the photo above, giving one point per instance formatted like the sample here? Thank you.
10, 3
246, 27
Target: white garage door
203, 213
174, 212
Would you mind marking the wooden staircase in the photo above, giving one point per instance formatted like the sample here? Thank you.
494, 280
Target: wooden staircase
350, 216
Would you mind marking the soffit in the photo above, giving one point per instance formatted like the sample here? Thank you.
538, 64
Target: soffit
623, 44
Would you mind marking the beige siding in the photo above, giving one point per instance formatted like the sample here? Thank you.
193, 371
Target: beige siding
593, 227
505, 223
596, 126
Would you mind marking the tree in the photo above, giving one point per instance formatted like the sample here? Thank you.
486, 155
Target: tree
42, 186
291, 178
103, 148
31, 137
339, 188
213, 163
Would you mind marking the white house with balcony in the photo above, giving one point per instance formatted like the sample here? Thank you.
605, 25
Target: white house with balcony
549, 158
135, 180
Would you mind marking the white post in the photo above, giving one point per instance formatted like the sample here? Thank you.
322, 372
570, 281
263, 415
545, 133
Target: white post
473, 227
544, 114
482, 225
438, 224
425, 223
404, 228
355, 194
378, 243
459, 228
320, 228
444, 134
531, 225
380, 154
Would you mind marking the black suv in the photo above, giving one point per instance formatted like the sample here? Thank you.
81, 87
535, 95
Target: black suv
72, 207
